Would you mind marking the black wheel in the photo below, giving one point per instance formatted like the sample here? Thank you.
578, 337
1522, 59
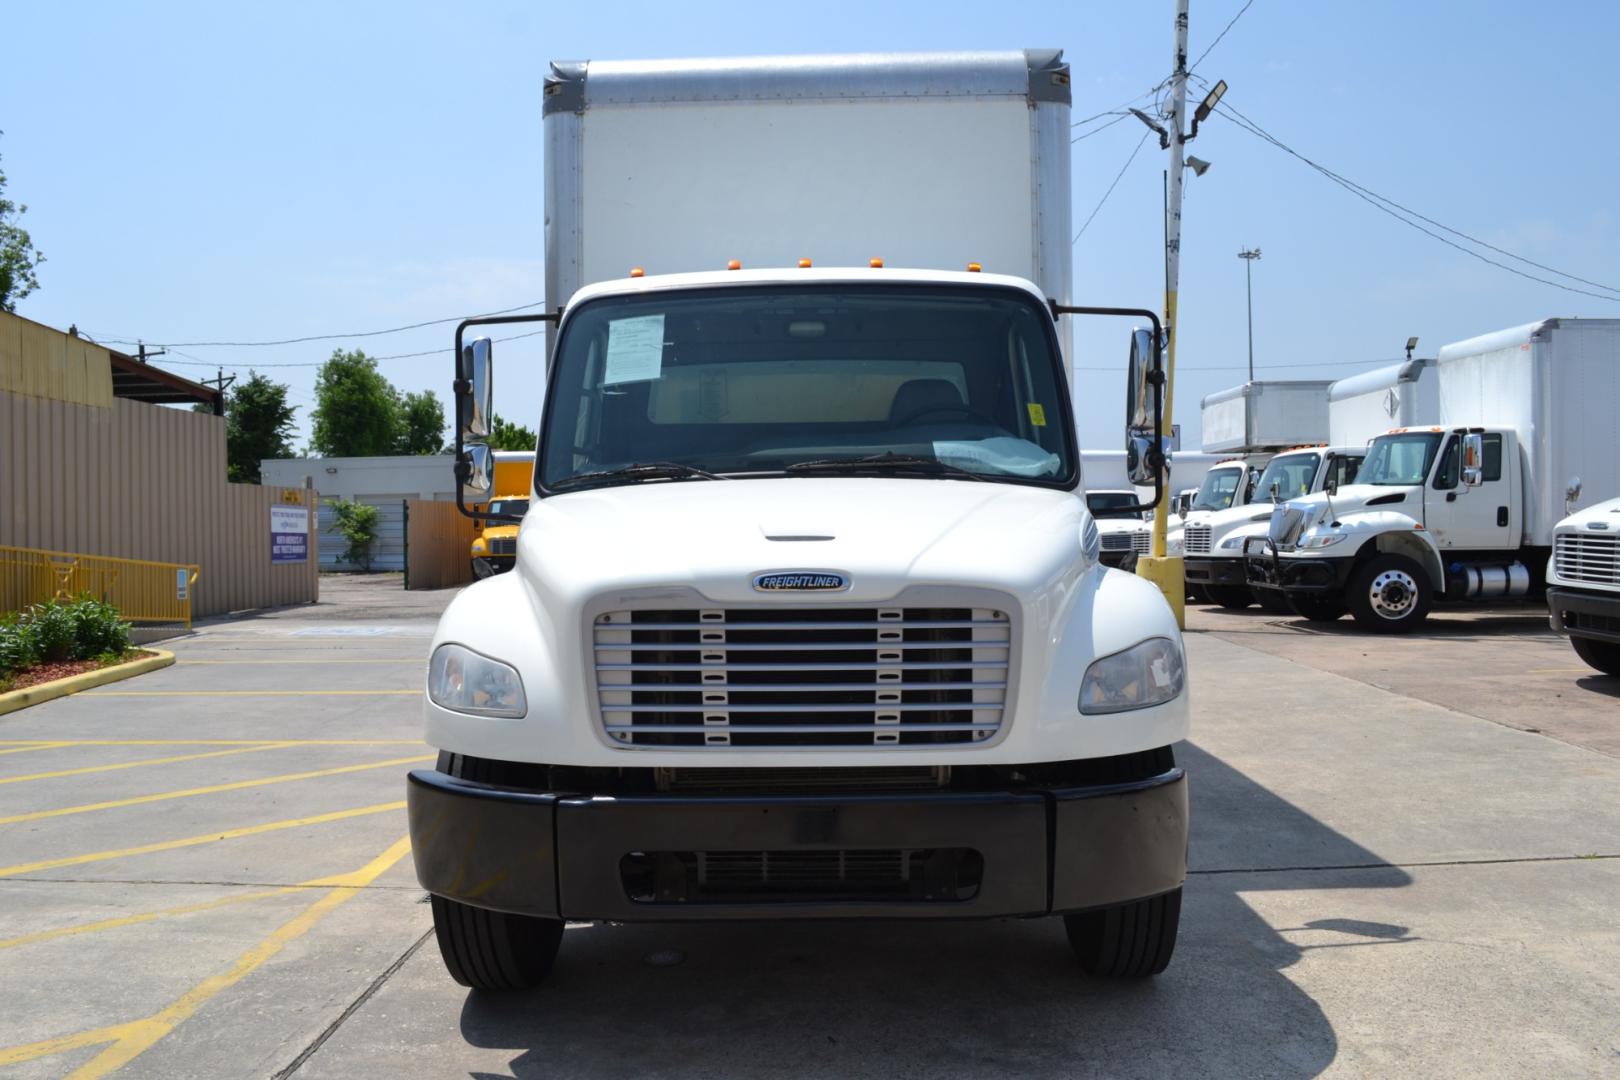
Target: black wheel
1230, 597
1389, 595
1273, 602
1131, 941
491, 950
1603, 655
1195, 594
1318, 607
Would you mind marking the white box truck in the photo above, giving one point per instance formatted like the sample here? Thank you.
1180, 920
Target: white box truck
1265, 415
808, 619
1583, 584
1465, 509
1404, 394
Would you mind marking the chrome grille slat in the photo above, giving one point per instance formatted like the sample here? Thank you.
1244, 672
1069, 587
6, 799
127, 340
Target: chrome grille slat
1585, 557
811, 677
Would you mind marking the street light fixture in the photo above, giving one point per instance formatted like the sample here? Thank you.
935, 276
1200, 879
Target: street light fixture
1248, 255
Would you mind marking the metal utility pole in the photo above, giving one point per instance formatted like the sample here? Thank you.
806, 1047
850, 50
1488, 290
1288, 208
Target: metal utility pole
1248, 256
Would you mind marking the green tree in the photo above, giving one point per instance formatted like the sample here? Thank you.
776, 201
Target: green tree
258, 425
421, 423
507, 436
357, 523
357, 411
18, 256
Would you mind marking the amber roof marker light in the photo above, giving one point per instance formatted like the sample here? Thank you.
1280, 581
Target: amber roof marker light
636, 271
876, 264
804, 264
734, 264
974, 268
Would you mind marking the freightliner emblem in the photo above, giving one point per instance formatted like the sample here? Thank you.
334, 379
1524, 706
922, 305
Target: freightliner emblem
800, 581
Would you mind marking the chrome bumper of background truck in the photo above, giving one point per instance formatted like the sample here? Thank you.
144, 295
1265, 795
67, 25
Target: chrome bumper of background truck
1265, 569
580, 856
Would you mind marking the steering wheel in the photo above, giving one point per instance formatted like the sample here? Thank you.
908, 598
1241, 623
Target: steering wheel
964, 410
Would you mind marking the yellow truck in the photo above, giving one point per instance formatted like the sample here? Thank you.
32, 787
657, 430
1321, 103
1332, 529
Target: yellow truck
494, 549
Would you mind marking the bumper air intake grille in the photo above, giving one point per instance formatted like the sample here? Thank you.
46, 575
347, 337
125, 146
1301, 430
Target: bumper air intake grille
1584, 557
817, 678
942, 874
1195, 539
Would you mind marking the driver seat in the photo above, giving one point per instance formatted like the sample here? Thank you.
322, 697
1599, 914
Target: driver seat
918, 396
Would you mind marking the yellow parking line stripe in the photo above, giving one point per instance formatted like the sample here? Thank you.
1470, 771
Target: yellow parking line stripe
237, 785
193, 841
130, 1040
36, 746
83, 769
250, 693
40, 744
145, 916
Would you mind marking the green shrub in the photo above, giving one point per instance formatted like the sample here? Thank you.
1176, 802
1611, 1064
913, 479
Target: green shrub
357, 523
54, 625
97, 629
19, 644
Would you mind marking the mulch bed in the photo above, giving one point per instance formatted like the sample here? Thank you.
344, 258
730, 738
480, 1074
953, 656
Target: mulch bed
61, 669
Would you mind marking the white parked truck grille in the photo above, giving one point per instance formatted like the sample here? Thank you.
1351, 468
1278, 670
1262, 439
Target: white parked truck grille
1584, 557
1116, 541
1142, 542
828, 677
1195, 539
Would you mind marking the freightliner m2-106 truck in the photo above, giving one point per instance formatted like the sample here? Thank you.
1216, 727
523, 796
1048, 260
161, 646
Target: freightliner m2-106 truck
1465, 509
1583, 584
808, 619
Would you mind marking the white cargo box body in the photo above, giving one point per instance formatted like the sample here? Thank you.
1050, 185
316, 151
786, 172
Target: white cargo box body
923, 160
1361, 407
1556, 383
1266, 415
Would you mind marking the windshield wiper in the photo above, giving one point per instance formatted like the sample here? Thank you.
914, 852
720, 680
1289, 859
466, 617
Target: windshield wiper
884, 462
644, 470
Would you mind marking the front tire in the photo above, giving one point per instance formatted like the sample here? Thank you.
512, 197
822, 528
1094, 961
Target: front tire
1323, 608
491, 950
1389, 595
1230, 597
1131, 941
1603, 655
1273, 602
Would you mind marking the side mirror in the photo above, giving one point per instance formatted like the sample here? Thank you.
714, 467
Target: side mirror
1146, 450
1276, 492
1138, 385
475, 391
479, 477
1473, 462
1332, 488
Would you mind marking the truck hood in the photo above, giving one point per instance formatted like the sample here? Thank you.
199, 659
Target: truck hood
1219, 521
883, 534
1604, 516
1353, 498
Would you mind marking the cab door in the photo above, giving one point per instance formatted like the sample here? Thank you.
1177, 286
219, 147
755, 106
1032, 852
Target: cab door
1470, 517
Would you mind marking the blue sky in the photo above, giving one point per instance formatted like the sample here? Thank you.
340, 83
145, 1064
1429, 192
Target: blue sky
200, 172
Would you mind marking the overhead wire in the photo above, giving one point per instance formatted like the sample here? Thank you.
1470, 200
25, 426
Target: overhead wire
1111, 188
1217, 41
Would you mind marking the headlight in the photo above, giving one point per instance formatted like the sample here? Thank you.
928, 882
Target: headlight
1232, 542
1321, 540
478, 546
1147, 674
466, 682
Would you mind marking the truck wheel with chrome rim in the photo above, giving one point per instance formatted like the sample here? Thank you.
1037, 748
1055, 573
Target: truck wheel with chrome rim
1603, 655
491, 950
1389, 594
1130, 941
1230, 597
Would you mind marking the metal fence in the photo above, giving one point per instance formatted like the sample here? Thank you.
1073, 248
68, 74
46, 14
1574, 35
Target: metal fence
142, 591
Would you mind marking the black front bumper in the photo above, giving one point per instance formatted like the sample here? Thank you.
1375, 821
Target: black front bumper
1579, 613
566, 856
1215, 571
1266, 569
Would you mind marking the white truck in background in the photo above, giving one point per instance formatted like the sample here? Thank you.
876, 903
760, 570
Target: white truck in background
1465, 509
1403, 394
1583, 584
807, 619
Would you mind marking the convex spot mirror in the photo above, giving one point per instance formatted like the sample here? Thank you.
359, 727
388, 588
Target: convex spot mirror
475, 391
1473, 464
480, 476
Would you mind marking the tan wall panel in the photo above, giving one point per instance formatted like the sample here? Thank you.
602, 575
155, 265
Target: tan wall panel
40, 361
438, 542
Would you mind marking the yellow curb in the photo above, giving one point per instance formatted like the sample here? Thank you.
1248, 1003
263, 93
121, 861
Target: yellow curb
33, 695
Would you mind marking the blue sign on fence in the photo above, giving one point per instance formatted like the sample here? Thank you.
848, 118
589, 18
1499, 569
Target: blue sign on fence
289, 534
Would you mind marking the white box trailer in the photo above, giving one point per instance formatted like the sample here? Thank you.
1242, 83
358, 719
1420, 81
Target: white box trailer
922, 160
1266, 415
1557, 384
1363, 406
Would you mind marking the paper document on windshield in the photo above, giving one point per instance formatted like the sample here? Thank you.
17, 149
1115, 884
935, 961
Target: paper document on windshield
1001, 453
635, 351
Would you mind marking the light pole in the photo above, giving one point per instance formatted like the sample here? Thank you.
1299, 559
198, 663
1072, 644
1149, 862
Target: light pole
1248, 256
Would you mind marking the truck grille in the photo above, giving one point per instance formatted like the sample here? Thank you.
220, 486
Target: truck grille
1584, 557
1195, 539
1116, 541
503, 545
802, 677
1142, 542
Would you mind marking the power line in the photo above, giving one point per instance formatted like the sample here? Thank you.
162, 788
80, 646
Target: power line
326, 337
1404, 215
1258, 367
1218, 36
1100, 127
1111, 188
1122, 106
196, 362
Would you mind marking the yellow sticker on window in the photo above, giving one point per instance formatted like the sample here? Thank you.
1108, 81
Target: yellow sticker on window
1037, 415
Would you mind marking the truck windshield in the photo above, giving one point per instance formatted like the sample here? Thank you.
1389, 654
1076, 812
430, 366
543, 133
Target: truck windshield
771, 381
518, 507
1292, 473
1399, 459
1106, 504
1217, 490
